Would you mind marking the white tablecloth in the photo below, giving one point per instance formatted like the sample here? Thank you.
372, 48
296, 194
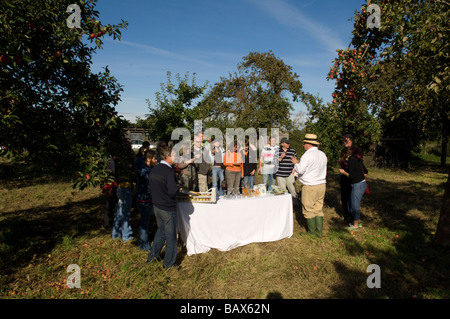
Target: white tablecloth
232, 223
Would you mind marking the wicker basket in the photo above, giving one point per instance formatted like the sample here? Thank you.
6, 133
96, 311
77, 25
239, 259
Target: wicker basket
208, 197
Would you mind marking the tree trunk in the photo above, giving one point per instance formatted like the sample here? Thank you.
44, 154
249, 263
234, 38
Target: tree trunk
444, 152
444, 142
442, 237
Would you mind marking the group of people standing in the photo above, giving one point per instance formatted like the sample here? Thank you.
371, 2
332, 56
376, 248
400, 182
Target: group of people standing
127, 170
153, 173
233, 169
312, 171
159, 175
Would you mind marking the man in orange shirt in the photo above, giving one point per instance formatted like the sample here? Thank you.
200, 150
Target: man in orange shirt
234, 169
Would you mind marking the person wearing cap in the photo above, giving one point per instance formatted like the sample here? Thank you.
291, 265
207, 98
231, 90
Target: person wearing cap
285, 174
312, 170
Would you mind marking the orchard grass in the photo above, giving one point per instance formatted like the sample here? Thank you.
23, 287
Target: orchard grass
46, 225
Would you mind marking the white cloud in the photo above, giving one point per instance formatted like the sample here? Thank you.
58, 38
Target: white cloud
165, 53
291, 16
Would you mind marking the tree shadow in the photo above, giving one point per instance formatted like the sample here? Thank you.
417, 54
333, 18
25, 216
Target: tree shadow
18, 173
34, 232
274, 295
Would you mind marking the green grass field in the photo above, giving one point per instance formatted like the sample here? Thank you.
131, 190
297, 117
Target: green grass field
46, 225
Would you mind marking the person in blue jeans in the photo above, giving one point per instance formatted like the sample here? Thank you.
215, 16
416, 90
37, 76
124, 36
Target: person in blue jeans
121, 225
357, 173
250, 167
217, 154
144, 201
163, 190
268, 163
124, 175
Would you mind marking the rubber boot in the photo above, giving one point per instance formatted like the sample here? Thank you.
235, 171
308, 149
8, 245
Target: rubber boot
319, 226
310, 226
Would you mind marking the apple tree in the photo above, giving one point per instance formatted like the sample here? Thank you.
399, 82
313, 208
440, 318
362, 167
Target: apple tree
411, 73
53, 108
349, 112
398, 72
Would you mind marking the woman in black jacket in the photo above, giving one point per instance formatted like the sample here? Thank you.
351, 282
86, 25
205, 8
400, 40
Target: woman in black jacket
249, 167
356, 173
346, 186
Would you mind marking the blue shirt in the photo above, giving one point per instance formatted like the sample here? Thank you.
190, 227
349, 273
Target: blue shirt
143, 178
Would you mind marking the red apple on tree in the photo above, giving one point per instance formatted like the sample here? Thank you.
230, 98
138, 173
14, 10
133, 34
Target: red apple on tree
5, 59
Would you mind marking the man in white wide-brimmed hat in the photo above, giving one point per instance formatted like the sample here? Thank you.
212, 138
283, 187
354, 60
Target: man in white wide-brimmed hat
312, 170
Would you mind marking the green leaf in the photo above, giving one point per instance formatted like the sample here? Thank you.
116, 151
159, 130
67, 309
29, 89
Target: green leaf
9, 4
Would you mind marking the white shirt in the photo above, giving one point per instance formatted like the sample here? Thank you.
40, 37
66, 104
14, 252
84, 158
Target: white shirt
165, 163
312, 168
269, 157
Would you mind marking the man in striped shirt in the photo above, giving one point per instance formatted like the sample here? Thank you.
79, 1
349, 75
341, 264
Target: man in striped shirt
285, 174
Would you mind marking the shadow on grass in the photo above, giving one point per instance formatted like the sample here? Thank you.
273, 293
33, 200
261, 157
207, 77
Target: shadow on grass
36, 231
411, 265
19, 173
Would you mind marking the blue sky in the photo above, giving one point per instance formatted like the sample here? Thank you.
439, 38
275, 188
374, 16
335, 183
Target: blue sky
210, 38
